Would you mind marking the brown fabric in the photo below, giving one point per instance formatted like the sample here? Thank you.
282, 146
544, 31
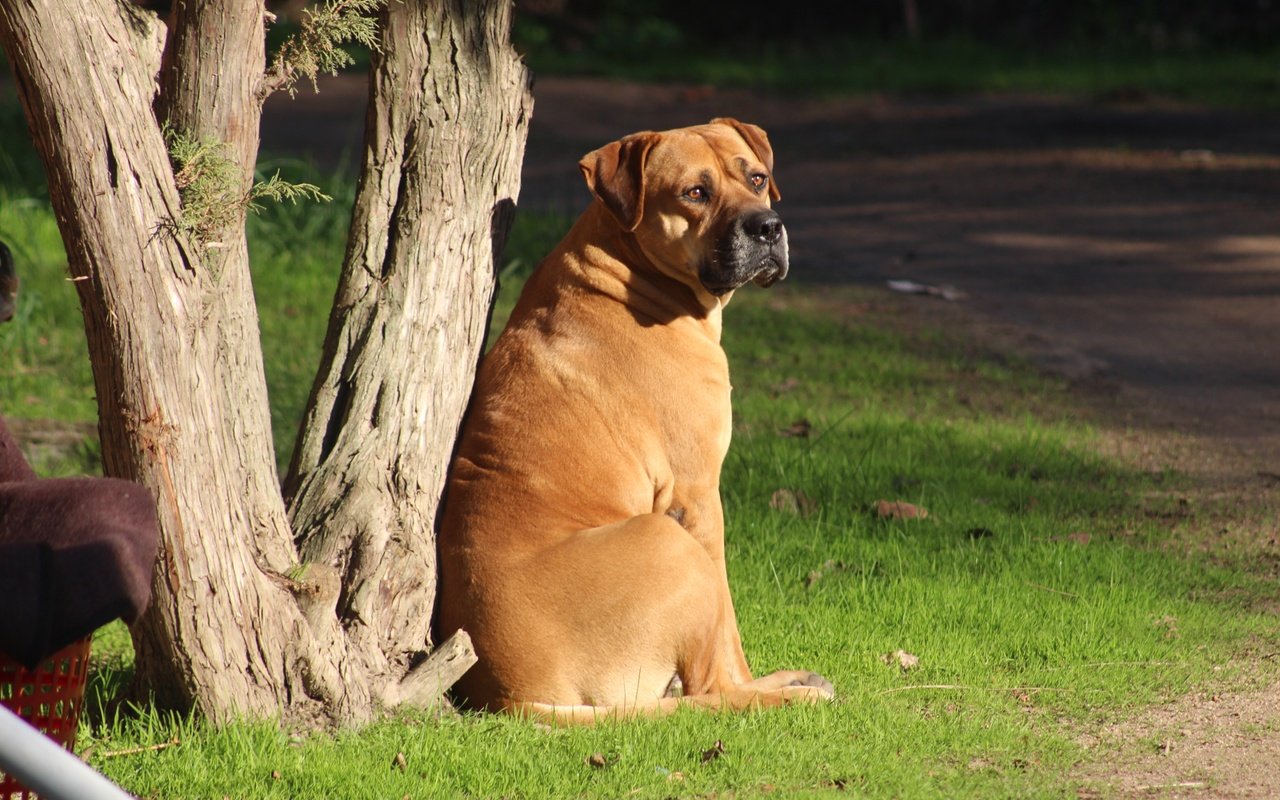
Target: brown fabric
13, 467
75, 553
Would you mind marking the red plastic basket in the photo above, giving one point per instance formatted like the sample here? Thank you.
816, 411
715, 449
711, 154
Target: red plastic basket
49, 697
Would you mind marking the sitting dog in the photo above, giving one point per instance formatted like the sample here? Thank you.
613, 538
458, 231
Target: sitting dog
582, 537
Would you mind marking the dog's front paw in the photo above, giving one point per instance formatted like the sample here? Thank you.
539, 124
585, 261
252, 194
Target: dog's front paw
816, 681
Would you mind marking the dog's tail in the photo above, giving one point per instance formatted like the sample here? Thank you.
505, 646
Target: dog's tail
736, 699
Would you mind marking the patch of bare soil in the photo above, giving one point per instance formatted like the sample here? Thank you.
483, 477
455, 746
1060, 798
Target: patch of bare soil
1220, 746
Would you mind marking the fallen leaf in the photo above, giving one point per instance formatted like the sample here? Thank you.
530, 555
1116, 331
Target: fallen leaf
597, 760
275, 774
1078, 537
829, 566
399, 762
793, 501
945, 291
902, 659
899, 509
676, 776
712, 753
784, 500
799, 429
788, 385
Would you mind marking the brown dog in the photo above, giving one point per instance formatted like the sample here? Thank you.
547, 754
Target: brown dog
582, 541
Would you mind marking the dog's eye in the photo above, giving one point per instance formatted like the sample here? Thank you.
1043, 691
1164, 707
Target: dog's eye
758, 181
697, 194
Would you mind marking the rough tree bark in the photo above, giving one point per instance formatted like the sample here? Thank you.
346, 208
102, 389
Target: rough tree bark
235, 627
436, 185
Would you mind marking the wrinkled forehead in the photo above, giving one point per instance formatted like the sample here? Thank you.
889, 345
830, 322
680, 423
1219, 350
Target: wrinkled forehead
685, 154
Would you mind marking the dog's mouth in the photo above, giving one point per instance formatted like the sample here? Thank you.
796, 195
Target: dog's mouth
742, 259
770, 273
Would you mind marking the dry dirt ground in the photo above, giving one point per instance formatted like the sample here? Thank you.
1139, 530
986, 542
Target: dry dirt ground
1133, 249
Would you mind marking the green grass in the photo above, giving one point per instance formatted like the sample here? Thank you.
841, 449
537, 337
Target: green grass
946, 67
296, 251
1026, 633
43, 356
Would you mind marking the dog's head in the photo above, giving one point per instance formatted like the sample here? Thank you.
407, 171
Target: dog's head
697, 201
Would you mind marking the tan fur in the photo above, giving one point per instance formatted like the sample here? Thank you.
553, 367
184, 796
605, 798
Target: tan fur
582, 540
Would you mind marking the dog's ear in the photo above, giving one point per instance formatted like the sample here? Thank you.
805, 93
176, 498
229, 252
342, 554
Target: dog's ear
615, 175
758, 141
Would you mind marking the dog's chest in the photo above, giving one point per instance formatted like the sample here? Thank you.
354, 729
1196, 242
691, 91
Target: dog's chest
698, 417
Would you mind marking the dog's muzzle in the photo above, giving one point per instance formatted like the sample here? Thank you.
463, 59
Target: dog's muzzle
753, 248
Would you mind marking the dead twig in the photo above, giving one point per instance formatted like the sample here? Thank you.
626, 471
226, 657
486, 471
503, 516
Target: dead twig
1092, 664
1044, 588
133, 751
962, 687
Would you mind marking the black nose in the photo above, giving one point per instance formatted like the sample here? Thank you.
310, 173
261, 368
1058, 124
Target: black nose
764, 226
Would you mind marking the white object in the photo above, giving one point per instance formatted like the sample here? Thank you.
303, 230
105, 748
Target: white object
46, 767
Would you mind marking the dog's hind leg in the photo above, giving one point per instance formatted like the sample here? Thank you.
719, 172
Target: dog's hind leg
738, 698
645, 598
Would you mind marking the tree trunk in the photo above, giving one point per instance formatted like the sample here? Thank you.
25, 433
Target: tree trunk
181, 394
447, 118
235, 628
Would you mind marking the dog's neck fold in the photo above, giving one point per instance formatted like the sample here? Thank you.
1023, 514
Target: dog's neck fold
616, 266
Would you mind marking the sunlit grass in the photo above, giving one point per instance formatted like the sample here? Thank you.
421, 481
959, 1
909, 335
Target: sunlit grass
1036, 595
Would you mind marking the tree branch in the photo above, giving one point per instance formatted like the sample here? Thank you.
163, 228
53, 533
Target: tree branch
426, 683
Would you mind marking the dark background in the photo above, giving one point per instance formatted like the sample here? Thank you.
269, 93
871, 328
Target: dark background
670, 25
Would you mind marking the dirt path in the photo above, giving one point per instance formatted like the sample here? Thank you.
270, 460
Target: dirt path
1134, 250
1134, 246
